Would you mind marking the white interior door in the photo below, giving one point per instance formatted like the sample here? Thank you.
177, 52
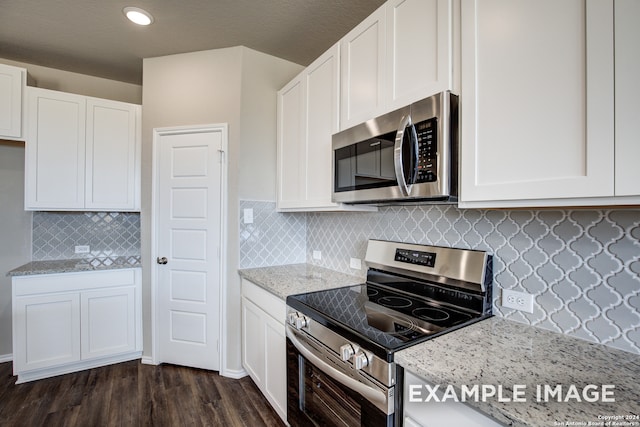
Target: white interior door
189, 191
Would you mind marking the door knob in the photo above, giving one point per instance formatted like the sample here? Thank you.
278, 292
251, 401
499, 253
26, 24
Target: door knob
162, 260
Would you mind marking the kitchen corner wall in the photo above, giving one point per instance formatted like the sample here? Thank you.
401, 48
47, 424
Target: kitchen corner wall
273, 238
236, 86
582, 266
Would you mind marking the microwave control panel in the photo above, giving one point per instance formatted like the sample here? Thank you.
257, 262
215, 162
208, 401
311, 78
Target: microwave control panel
427, 132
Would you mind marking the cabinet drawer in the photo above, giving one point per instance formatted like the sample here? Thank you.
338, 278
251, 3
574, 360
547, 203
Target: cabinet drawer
268, 302
64, 282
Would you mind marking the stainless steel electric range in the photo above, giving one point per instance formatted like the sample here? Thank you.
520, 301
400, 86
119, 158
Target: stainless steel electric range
341, 342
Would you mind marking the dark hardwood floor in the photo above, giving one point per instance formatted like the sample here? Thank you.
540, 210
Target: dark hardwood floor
133, 394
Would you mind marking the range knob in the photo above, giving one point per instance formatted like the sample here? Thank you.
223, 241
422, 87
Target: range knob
360, 360
302, 321
291, 318
346, 351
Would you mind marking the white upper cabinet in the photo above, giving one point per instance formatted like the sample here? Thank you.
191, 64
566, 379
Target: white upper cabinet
55, 150
420, 50
537, 102
81, 153
401, 53
112, 180
291, 161
627, 69
12, 84
363, 54
308, 114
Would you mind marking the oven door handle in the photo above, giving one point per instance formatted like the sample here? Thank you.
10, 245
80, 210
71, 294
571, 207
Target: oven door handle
371, 394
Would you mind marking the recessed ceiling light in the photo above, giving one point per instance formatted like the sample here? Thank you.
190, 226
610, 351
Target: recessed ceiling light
138, 16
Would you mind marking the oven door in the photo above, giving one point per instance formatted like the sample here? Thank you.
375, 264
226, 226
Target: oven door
321, 393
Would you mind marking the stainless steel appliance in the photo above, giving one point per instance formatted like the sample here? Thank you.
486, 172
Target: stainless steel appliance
341, 342
408, 155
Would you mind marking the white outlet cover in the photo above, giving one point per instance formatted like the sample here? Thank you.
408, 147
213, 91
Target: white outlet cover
317, 255
517, 300
82, 249
355, 263
248, 216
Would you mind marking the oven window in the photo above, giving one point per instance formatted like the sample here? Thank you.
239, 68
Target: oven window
316, 399
367, 164
325, 402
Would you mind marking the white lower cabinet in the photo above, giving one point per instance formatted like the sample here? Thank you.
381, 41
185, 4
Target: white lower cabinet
73, 321
434, 413
264, 344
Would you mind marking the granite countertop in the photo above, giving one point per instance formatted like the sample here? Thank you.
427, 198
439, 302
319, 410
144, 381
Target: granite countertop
76, 265
284, 280
498, 352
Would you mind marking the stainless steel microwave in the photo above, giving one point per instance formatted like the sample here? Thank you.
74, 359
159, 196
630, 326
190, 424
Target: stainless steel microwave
409, 155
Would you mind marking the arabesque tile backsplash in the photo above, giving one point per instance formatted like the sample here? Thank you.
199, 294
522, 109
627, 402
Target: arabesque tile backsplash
108, 234
582, 266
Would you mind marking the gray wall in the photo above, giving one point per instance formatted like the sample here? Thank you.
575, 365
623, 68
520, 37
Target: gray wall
236, 86
15, 231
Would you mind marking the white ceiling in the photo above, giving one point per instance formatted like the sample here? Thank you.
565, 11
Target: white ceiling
93, 36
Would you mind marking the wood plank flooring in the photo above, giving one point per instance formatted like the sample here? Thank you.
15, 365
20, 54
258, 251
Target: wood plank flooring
133, 394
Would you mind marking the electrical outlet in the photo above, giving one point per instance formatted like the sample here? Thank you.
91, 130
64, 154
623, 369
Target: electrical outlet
517, 300
248, 216
317, 255
355, 263
83, 249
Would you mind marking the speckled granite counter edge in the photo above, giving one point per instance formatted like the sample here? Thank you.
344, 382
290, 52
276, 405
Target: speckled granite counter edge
291, 279
75, 265
499, 351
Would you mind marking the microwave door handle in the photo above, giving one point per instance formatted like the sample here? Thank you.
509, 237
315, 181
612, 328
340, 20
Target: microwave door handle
405, 125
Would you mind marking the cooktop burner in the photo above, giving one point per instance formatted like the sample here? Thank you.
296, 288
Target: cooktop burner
430, 314
394, 302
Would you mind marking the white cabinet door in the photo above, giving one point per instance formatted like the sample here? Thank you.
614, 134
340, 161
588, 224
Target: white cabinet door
112, 154
46, 331
308, 115
420, 50
55, 150
276, 365
264, 344
253, 345
537, 100
291, 162
108, 322
322, 94
12, 83
363, 53
627, 66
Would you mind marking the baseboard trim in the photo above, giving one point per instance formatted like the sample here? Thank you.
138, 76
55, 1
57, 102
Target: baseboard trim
6, 358
146, 360
235, 374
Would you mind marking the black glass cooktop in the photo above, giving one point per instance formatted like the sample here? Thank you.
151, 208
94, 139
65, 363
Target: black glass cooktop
383, 319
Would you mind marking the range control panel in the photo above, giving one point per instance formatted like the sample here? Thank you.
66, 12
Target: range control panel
426, 259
